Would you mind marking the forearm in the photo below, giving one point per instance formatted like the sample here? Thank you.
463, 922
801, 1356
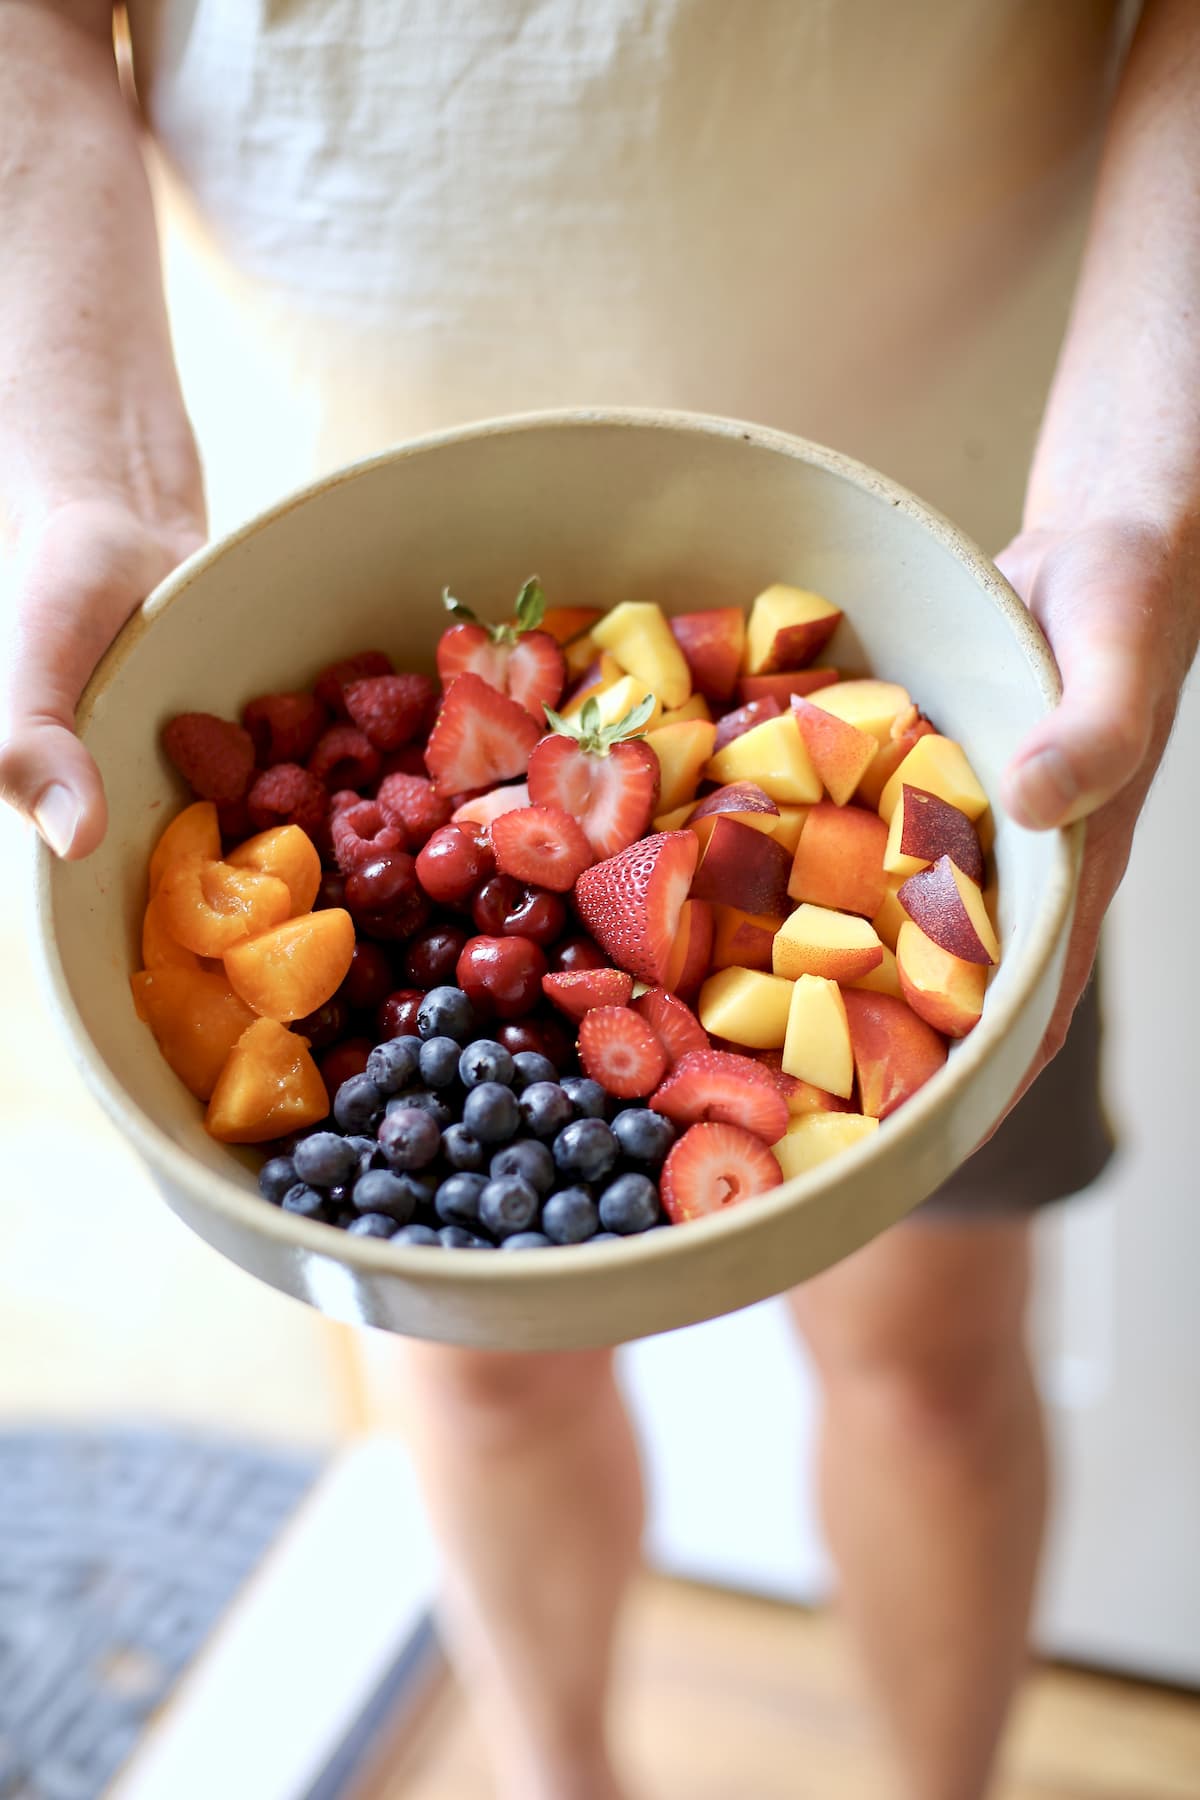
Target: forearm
89, 400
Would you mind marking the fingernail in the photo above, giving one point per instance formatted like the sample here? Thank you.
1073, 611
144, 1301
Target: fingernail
1047, 788
56, 815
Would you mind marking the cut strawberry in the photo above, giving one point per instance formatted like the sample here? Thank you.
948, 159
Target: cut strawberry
214, 756
619, 1050
285, 727
576, 991
517, 659
631, 903
331, 683
344, 759
732, 1090
714, 1166
392, 710
486, 807
481, 737
362, 832
542, 846
745, 718
603, 775
675, 1023
413, 802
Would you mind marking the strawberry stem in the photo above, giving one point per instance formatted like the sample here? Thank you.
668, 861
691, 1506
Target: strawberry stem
594, 736
530, 610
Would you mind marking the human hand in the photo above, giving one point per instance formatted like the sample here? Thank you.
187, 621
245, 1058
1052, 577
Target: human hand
79, 572
1119, 602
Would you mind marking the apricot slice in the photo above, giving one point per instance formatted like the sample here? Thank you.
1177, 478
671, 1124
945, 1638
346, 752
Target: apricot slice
269, 1086
193, 832
290, 854
208, 906
196, 1019
159, 949
288, 972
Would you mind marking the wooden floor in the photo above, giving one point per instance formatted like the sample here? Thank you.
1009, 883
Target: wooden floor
729, 1698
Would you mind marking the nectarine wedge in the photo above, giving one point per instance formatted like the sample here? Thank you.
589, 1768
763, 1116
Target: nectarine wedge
290, 971
287, 852
942, 989
884, 979
742, 867
773, 756
816, 1045
924, 827
782, 685
815, 940
839, 752
746, 1007
269, 1086
839, 859
196, 1019
787, 627
712, 643
950, 908
682, 751
815, 1138
194, 832
869, 705
895, 1052
637, 633
743, 940
936, 765
210, 906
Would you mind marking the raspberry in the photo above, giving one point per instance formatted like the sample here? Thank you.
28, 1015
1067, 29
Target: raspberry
287, 795
343, 758
361, 833
341, 798
285, 727
392, 710
332, 681
214, 756
412, 801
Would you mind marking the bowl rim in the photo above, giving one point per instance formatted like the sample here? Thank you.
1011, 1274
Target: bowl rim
212, 1190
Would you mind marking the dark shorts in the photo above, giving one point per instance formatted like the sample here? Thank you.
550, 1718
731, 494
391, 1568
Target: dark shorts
1055, 1143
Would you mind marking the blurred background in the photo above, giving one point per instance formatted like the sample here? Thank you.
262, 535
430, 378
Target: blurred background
233, 1459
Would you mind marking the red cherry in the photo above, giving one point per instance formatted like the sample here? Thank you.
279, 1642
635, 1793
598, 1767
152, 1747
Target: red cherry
327, 1025
385, 882
452, 864
542, 1032
577, 953
398, 1014
501, 975
370, 978
332, 891
494, 903
431, 957
344, 1060
539, 915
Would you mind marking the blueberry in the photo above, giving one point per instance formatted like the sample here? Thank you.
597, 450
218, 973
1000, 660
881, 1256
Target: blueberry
570, 1216
439, 1062
416, 1234
304, 1201
508, 1203
586, 1149
276, 1177
457, 1199
490, 1112
529, 1066
455, 1238
338, 1196
629, 1204
462, 1151
393, 1065
409, 1138
379, 1191
325, 1159
604, 1237
367, 1148
485, 1060
527, 1158
587, 1097
527, 1240
372, 1224
546, 1108
422, 1100
644, 1136
356, 1103
446, 1012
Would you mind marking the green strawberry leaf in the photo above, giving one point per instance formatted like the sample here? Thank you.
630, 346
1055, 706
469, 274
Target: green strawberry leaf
591, 734
530, 611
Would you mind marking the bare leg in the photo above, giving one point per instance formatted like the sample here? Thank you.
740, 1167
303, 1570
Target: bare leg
531, 1477
933, 1483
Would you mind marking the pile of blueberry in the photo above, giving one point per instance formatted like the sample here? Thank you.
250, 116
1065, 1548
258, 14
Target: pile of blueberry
449, 1139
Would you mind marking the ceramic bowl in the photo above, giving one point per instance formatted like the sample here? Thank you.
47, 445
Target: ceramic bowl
604, 505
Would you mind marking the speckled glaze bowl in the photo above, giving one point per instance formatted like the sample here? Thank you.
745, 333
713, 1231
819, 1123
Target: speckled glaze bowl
605, 505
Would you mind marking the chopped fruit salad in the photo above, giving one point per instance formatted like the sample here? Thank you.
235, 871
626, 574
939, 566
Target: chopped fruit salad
617, 922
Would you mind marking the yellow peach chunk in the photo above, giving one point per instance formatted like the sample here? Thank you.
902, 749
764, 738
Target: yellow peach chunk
771, 755
787, 627
867, 704
747, 1007
937, 765
816, 940
814, 1138
637, 634
816, 1045
682, 751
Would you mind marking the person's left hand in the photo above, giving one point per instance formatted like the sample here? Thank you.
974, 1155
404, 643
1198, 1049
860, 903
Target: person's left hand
1120, 604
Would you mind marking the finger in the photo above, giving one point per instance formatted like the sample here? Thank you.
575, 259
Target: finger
1098, 599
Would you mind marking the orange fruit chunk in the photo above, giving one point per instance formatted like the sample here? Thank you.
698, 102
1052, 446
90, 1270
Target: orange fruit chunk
196, 1019
159, 949
290, 854
193, 832
208, 906
290, 971
269, 1086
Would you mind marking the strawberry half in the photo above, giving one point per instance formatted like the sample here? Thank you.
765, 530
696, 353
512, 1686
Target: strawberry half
713, 1166
486, 807
576, 991
603, 775
517, 659
718, 1087
542, 846
675, 1023
632, 901
481, 737
619, 1050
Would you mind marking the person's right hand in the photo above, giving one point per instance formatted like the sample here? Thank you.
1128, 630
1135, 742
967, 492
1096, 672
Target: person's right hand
80, 571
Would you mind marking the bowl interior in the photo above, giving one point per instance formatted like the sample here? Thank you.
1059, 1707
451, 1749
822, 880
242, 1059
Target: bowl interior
603, 508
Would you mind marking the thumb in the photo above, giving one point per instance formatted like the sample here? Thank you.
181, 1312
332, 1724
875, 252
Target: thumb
1099, 596
86, 569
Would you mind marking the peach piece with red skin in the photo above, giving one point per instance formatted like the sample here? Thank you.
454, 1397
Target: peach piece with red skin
742, 867
839, 752
937, 765
895, 1051
786, 628
950, 908
682, 751
743, 940
712, 643
839, 860
872, 706
691, 951
924, 827
942, 989
906, 729
783, 684
816, 940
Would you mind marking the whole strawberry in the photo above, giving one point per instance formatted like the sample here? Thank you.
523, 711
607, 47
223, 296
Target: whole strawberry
603, 775
518, 659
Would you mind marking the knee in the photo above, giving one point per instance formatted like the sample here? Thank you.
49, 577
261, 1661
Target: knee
503, 1398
